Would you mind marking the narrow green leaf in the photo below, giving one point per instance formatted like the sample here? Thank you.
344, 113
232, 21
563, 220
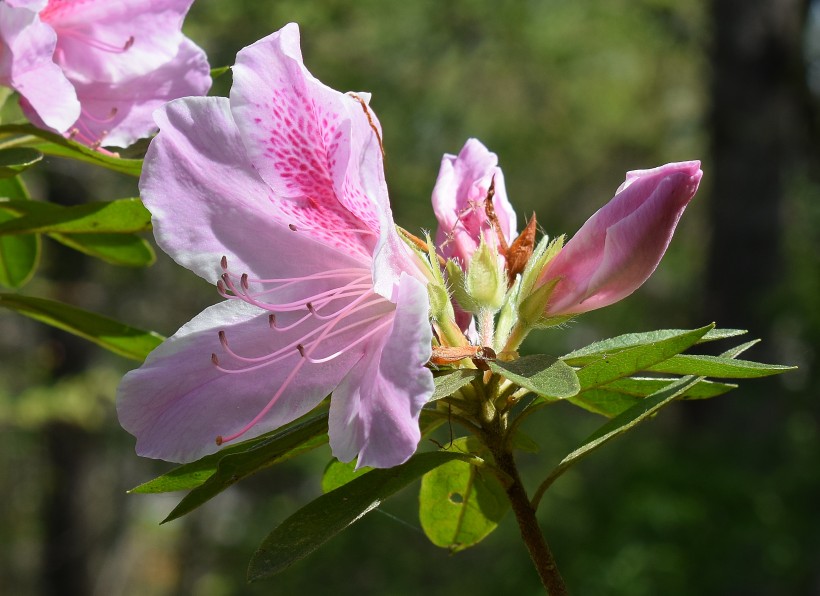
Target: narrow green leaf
617, 397
338, 474
17, 159
53, 144
117, 249
460, 503
544, 375
319, 521
108, 333
235, 466
19, 256
589, 354
715, 366
451, 381
124, 216
609, 367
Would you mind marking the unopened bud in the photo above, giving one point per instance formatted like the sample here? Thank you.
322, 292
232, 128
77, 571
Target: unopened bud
486, 281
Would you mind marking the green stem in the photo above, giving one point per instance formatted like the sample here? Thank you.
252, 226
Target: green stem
534, 540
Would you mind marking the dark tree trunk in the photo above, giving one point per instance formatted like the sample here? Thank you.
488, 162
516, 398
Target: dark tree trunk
759, 121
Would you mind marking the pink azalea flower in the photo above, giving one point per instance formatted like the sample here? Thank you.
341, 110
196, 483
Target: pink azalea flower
619, 247
278, 195
96, 69
458, 201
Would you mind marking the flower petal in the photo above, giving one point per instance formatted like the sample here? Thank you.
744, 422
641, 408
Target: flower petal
308, 142
120, 113
104, 41
374, 411
208, 201
26, 65
178, 402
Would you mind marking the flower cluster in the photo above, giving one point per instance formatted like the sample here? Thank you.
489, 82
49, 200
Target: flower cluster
95, 70
277, 195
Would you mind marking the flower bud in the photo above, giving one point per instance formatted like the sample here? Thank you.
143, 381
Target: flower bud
619, 247
486, 280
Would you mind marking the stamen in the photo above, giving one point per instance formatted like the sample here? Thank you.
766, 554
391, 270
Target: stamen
96, 43
263, 412
334, 230
111, 115
347, 348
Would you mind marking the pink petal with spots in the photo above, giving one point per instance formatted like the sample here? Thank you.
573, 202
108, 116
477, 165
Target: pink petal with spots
459, 197
302, 137
374, 412
107, 41
208, 201
26, 65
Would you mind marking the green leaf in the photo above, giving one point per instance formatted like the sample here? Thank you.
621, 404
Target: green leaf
19, 256
191, 475
53, 144
319, 521
606, 368
715, 366
338, 474
235, 466
117, 249
460, 503
643, 410
617, 397
17, 159
124, 216
108, 333
590, 353
451, 381
544, 375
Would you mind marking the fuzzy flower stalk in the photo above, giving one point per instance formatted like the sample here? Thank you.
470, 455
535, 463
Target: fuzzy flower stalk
277, 195
95, 70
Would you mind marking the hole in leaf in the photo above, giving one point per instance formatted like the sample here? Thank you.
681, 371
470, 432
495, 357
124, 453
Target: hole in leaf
456, 498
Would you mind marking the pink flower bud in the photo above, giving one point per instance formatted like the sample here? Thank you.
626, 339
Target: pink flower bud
619, 247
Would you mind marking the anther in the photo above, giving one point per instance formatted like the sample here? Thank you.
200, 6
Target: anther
223, 339
215, 360
244, 281
301, 349
219, 441
292, 227
272, 321
224, 263
220, 286
310, 308
128, 43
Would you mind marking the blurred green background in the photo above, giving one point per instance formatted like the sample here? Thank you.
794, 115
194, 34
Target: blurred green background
718, 497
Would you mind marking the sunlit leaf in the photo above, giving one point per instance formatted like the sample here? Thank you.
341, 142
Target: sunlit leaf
53, 144
460, 503
589, 353
124, 216
108, 333
235, 466
544, 375
17, 159
606, 368
319, 521
338, 474
118, 249
715, 366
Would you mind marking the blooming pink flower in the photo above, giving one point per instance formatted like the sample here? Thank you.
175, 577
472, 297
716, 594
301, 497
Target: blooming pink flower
458, 201
286, 181
96, 69
619, 247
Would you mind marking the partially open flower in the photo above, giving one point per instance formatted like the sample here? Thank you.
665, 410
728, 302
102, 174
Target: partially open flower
619, 247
